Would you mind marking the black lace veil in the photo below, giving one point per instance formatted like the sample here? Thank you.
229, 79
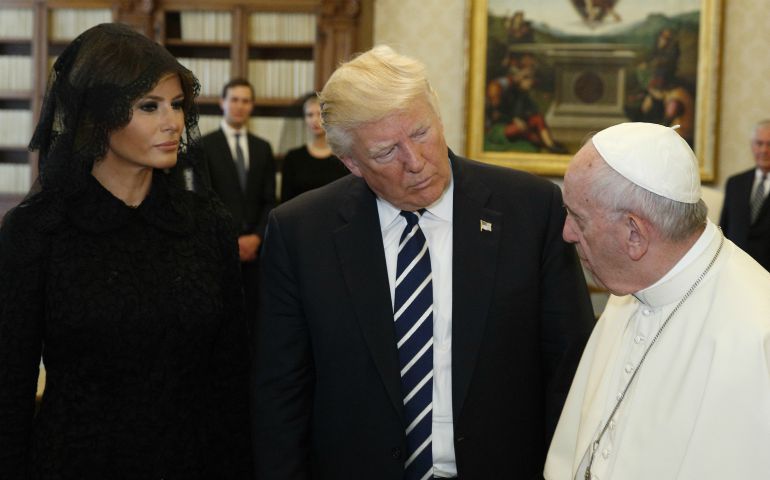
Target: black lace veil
90, 94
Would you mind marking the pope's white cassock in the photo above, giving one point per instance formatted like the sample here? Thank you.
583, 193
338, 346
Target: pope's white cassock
699, 407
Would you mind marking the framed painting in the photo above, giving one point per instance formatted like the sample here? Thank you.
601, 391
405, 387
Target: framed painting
544, 74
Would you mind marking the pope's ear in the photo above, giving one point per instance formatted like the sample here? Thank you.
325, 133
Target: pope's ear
638, 240
352, 165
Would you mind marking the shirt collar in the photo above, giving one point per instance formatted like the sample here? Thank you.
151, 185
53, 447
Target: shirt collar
230, 131
442, 209
674, 283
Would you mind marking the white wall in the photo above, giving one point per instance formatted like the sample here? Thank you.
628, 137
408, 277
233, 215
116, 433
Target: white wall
433, 31
745, 92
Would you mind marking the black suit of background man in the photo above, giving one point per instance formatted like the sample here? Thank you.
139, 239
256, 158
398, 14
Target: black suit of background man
753, 237
248, 206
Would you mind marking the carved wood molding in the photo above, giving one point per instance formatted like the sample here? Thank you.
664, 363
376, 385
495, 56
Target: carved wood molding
341, 9
137, 13
134, 7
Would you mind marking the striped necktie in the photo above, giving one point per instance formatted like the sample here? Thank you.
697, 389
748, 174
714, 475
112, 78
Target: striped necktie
413, 306
758, 199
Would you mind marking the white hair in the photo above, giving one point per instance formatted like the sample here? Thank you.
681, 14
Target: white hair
674, 220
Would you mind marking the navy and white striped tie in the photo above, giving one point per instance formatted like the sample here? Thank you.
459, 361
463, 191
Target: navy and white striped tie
413, 306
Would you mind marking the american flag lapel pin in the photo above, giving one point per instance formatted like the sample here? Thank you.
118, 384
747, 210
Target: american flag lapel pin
485, 226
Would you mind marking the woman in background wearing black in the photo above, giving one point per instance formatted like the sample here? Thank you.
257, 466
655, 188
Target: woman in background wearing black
312, 165
126, 283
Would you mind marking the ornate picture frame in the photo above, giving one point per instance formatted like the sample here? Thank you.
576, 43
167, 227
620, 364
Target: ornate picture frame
546, 74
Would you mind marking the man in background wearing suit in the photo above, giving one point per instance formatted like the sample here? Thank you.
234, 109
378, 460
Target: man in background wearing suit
421, 318
746, 212
241, 170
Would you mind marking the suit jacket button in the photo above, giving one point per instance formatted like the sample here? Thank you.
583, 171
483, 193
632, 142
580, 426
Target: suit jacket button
459, 439
395, 453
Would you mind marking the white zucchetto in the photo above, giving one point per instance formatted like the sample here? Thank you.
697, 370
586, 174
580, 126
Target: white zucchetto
652, 156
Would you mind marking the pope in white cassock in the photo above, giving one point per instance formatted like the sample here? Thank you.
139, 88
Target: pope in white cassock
675, 380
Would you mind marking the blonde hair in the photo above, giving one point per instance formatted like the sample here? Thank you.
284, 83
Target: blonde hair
368, 88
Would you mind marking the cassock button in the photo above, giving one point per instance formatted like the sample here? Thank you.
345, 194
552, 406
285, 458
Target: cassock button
639, 339
395, 453
629, 368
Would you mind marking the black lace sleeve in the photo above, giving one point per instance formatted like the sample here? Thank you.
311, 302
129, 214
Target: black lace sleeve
22, 270
230, 366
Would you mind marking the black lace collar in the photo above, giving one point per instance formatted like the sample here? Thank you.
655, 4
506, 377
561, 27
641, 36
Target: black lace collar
96, 210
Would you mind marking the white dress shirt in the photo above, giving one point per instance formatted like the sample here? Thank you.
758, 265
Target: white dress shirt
230, 136
436, 225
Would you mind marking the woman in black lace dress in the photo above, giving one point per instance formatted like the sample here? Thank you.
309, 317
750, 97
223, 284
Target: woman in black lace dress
124, 282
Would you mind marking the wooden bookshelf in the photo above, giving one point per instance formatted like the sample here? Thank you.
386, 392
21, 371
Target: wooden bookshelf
330, 34
17, 98
285, 49
31, 31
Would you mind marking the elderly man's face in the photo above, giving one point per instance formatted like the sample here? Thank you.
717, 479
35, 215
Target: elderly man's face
403, 157
597, 236
760, 147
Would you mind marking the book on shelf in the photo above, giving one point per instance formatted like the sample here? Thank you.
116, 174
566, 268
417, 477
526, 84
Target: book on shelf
282, 133
14, 178
16, 23
68, 23
16, 72
269, 27
212, 73
281, 78
206, 26
208, 123
15, 128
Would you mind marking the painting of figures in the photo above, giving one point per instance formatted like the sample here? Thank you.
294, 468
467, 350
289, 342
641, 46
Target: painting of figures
545, 74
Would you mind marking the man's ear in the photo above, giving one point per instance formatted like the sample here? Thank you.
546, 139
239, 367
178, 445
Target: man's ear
638, 240
352, 165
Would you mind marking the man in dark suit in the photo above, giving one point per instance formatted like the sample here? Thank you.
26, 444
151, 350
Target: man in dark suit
421, 318
746, 212
241, 170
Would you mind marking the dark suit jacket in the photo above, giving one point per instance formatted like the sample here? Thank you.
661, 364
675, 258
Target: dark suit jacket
250, 208
736, 218
327, 395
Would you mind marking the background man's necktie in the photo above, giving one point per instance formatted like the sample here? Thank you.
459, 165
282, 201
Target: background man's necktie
240, 161
758, 199
413, 306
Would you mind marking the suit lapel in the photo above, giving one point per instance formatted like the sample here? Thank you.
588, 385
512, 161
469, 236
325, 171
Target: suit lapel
475, 253
747, 184
228, 163
253, 170
362, 260
474, 266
